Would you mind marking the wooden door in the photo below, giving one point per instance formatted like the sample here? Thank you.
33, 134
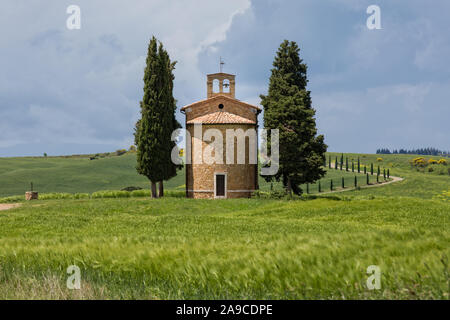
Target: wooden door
220, 185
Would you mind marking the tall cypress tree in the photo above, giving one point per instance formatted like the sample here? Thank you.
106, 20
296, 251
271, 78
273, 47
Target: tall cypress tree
169, 122
287, 107
153, 131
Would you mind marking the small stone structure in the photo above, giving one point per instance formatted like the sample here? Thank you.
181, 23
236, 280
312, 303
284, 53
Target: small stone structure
221, 111
31, 195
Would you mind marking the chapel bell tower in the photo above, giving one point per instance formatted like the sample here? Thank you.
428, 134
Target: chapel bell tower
226, 84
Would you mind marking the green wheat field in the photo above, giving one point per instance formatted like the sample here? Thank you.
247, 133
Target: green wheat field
128, 246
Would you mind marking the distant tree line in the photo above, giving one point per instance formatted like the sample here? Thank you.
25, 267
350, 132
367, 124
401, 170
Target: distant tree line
421, 151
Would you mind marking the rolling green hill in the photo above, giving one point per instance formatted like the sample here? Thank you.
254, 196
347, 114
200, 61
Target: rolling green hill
72, 174
418, 182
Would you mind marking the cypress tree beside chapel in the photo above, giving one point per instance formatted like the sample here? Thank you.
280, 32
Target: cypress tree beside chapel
287, 107
154, 130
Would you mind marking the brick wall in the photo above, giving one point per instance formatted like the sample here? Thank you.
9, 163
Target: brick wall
200, 177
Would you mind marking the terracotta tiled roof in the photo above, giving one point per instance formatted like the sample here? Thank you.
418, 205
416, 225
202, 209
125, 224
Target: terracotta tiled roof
219, 97
221, 117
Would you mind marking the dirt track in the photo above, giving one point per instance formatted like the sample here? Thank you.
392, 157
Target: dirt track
394, 179
6, 206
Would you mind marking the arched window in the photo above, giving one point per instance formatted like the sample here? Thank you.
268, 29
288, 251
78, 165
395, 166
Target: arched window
226, 86
216, 85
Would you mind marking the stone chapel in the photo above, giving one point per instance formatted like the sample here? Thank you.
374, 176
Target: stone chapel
223, 112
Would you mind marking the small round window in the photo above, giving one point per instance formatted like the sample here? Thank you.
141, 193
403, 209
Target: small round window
220, 106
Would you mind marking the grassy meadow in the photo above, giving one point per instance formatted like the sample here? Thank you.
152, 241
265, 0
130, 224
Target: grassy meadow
317, 247
75, 174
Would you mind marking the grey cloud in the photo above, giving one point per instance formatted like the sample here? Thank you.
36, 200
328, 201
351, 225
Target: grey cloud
63, 88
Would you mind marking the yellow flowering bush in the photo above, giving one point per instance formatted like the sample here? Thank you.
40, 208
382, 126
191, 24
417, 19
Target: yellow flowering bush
442, 161
379, 159
432, 161
120, 152
419, 162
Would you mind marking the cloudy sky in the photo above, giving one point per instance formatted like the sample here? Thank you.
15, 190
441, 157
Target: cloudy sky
77, 91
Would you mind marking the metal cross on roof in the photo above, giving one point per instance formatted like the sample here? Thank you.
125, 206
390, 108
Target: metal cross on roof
221, 63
